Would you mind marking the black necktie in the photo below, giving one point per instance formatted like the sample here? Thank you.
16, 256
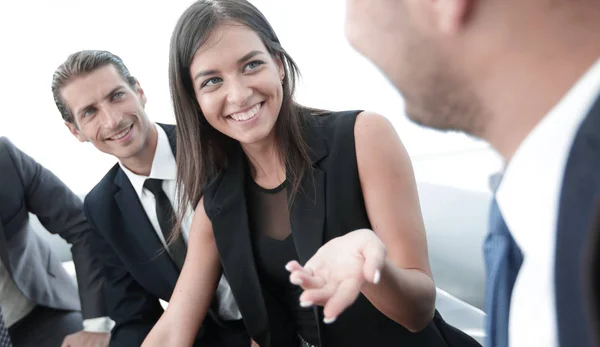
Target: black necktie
166, 220
4, 337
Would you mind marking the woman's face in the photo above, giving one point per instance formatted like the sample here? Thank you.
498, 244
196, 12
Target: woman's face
238, 84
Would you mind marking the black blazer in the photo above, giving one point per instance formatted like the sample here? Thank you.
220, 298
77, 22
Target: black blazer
577, 258
331, 206
27, 187
139, 272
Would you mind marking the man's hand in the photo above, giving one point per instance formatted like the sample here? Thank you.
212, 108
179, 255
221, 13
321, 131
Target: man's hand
86, 339
334, 276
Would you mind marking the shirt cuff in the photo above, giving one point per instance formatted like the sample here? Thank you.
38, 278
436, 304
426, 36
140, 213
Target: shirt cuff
98, 325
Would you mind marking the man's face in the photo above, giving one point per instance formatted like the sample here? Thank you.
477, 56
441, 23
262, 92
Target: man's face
108, 112
409, 41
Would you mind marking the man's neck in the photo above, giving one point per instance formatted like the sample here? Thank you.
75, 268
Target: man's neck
530, 85
141, 163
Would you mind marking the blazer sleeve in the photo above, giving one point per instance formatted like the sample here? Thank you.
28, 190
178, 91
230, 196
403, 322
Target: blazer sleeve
60, 212
130, 306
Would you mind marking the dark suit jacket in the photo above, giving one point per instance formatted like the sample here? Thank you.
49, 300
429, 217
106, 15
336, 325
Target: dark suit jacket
577, 262
26, 187
330, 205
139, 271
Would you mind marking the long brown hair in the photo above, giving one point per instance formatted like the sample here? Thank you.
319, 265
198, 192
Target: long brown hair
202, 151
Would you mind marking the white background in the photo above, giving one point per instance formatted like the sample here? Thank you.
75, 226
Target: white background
36, 36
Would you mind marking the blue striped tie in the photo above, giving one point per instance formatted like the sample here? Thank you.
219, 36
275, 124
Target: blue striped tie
503, 258
4, 337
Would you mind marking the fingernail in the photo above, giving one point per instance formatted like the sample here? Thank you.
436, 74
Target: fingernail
377, 277
296, 281
288, 267
329, 320
306, 303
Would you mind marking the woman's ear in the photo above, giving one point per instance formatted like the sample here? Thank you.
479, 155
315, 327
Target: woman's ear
280, 67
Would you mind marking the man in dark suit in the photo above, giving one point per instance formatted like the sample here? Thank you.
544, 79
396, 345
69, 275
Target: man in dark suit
132, 207
525, 76
38, 300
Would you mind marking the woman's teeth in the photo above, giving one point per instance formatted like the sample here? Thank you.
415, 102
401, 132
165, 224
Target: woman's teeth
242, 116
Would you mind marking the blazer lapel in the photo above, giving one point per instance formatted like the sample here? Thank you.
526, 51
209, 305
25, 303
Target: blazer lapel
136, 223
229, 216
307, 216
307, 213
228, 213
577, 242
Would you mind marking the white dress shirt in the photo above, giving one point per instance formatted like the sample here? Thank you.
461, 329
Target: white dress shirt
164, 167
15, 306
528, 198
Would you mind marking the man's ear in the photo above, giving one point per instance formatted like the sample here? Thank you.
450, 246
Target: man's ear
140, 93
452, 15
75, 131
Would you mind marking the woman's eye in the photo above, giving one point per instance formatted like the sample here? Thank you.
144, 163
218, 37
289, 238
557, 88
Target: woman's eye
253, 65
211, 82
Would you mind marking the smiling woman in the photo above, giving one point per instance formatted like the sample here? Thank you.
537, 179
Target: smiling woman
242, 97
276, 185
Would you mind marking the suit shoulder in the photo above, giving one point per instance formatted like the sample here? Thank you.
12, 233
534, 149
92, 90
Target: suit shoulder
166, 126
6, 145
8, 171
5, 142
335, 127
11, 155
104, 189
332, 120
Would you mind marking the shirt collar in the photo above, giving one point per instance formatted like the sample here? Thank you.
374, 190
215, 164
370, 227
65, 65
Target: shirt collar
164, 166
494, 181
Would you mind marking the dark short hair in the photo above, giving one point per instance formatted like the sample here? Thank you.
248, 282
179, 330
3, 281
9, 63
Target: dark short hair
81, 63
